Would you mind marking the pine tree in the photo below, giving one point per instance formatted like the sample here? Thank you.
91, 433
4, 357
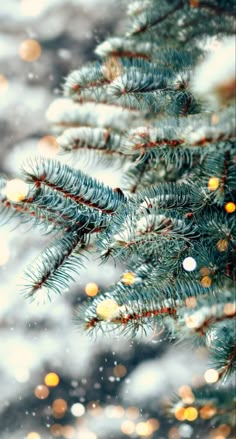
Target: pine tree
162, 107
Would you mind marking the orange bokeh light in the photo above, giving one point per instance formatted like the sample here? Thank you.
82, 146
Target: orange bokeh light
41, 391
91, 289
230, 207
30, 50
3, 85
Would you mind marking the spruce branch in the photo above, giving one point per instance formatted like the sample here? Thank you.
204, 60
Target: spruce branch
53, 269
73, 184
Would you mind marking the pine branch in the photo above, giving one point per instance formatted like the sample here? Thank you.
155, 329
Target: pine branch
86, 138
73, 184
53, 269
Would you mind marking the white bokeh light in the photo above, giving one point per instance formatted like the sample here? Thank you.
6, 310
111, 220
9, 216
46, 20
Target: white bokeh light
189, 264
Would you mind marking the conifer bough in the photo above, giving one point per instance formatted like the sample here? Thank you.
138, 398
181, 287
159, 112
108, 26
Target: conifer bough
149, 103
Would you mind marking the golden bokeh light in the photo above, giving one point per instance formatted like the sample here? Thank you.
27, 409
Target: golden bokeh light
190, 414
119, 370
30, 50
128, 278
213, 183
91, 289
41, 391
206, 281
59, 408
32, 8
51, 379
127, 427
3, 85
230, 207
222, 245
143, 429
230, 309
33, 435
48, 146
16, 190
107, 309
211, 376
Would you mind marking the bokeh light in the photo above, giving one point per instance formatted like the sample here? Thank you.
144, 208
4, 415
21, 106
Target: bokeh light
128, 278
91, 289
190, 414
191, 302
211, 376
30, 50
119, 370
84, 433
33, 435
230, 207
51, 379
189, 264
107, 309
206, 281
48, 146
32, 8
21, 374
56, 430
222, 245
143, 429
180, 413
230, 309
213, 183
127, 427
41, 391
77, 409
207, 411
4, 85
205, 271
68, 431
59, 408
154, 423
173, 433
16, 190
186, 394
114, 411
132, 412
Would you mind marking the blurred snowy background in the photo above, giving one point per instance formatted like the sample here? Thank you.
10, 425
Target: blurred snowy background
54, 381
